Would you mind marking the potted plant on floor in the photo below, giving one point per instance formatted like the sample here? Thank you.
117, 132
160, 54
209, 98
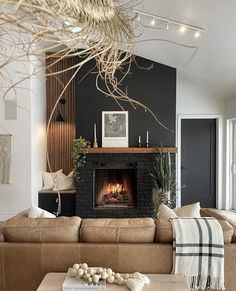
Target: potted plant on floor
164, 182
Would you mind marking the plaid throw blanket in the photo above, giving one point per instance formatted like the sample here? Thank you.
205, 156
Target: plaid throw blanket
199, 252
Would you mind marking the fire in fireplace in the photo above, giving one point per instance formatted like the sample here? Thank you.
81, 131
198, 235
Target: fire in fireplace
115, 186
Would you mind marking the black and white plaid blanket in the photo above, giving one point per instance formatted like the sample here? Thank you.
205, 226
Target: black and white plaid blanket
199, 251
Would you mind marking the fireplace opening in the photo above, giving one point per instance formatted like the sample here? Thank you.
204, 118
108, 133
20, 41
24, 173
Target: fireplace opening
115, 186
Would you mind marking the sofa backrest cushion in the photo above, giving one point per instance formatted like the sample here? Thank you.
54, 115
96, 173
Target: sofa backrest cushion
230, 216
165, 232
2, 225
134, 230
61, 229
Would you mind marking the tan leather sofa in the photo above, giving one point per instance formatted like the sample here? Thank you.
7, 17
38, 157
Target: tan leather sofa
30, 248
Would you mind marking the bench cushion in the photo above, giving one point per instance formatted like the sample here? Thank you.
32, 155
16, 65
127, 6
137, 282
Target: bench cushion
165, 232
61, 229
136, 230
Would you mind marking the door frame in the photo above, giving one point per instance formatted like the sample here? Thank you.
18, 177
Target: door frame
230, 200
219, 154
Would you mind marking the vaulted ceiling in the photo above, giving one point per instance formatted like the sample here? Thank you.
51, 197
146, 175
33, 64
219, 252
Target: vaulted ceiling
213, 67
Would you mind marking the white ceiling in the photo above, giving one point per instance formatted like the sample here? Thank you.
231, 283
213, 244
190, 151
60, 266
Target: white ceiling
214, 65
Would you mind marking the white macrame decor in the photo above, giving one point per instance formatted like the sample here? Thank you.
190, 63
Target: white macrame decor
5, 158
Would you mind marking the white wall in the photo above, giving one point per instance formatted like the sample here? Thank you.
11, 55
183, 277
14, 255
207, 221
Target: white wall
38, 128
28, 142
230, 111
194, 99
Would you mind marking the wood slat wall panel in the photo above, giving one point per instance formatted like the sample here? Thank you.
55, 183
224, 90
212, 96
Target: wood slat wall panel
61, 134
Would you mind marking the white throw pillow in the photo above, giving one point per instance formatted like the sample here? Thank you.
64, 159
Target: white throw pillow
64, 182
36, 212
49, 180
165, 212
47, 214
191, 210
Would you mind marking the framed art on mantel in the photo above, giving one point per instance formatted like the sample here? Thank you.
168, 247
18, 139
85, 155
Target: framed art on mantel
115, 129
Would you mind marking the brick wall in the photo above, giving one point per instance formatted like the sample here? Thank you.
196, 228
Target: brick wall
84, 192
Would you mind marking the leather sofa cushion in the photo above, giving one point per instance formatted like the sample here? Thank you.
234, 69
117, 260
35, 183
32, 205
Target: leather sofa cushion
230, 216
61, 229
2, 225
135, 230
165, 232
20, 215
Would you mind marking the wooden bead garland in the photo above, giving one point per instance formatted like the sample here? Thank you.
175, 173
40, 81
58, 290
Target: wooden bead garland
135, 281
93, 275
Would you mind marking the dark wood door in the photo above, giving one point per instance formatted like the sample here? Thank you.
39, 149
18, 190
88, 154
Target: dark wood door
198, 161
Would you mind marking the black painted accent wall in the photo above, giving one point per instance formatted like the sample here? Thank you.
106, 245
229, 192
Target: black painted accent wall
156, 87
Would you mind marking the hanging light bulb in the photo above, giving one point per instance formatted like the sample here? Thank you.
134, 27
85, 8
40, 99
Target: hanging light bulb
197, 34
138, 17
182, 29
153, 22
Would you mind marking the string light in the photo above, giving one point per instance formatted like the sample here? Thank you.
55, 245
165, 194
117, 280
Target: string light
153, 22
183, 27
138, 17
197, 34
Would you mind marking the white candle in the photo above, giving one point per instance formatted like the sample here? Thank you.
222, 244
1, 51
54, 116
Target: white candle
147, 137
95, 132
139, 139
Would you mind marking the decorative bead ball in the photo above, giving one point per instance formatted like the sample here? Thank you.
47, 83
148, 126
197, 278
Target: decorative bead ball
87, 276
95, 278
90, 280
76, 266
99, 270
73, 272
91, 271
117, 275
109, 271
104, 275
84, 266
120, 281
80, 272
110, 279
126, 276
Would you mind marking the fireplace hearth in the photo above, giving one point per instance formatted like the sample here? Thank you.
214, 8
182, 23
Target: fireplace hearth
114, 186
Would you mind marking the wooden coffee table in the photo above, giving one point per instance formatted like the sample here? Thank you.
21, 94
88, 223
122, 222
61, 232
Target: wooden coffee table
159, 282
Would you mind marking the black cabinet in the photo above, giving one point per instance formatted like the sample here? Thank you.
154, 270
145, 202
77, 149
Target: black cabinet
47, 200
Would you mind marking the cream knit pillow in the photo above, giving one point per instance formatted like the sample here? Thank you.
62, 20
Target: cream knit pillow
191, 210
164, 212
49, 179
64, 182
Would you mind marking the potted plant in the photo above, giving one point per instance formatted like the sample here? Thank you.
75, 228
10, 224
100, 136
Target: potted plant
80, 149
164, 182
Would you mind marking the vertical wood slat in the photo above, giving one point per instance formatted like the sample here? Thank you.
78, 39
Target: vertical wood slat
61, 134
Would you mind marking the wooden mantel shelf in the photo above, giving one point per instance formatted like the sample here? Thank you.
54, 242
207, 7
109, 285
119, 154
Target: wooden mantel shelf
149, 150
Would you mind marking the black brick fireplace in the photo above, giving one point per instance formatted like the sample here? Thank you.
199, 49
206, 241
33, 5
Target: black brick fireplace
138, 165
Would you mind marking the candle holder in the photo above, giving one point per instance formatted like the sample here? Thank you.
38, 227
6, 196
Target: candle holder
139, 141
147, 139
95, 144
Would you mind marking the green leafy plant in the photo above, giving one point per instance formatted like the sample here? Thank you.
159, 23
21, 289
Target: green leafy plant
164, 181
80, 149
